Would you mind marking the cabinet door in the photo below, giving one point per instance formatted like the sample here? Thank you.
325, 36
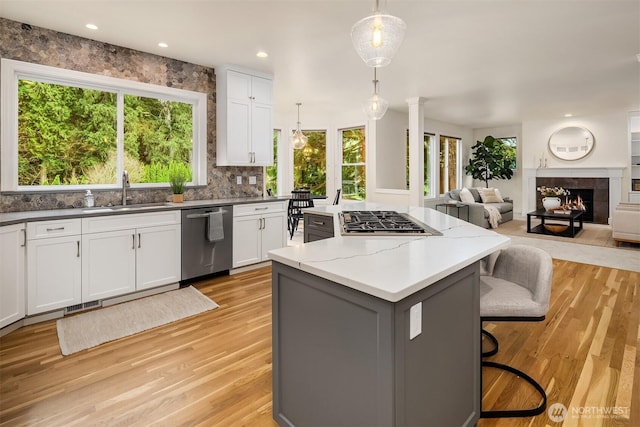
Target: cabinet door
262, 91
274, 233
157, 256
12, 289
262, 134
238, 132
53, 273
108, 264
246, 240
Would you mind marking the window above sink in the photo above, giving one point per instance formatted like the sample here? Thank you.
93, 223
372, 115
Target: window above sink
69, 130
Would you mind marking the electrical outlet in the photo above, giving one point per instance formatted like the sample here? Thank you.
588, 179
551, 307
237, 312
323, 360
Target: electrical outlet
415, 320
252, 180
238, 180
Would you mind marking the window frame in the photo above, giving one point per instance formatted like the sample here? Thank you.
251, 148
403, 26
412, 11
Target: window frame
11, 71
340, 183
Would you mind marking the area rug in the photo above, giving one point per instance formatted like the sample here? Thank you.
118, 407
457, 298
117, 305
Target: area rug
592, 234
90, 329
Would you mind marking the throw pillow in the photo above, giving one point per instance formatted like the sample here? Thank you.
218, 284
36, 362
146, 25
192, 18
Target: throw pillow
490, 195
466, 196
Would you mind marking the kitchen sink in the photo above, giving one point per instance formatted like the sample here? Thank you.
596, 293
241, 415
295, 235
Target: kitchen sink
120, 208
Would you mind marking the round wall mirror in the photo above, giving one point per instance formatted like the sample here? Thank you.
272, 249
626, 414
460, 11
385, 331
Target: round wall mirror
571, 143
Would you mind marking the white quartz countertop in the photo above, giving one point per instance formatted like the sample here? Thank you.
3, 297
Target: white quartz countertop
392, 267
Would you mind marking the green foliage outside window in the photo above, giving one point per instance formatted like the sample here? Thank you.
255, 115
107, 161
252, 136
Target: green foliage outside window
272, 171
310, 164
354, 164
426, 160
67, 136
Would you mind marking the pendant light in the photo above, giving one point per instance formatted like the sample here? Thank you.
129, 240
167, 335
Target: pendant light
376, 106
378, 37
298, 139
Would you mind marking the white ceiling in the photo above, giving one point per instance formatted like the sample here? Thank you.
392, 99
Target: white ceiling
478, 63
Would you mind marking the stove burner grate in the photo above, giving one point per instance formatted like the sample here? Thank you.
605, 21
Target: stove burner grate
383, 222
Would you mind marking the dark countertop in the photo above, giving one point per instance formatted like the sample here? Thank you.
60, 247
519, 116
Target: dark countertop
44, 215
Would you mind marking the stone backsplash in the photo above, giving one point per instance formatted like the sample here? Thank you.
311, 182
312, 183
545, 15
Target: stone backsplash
42, 46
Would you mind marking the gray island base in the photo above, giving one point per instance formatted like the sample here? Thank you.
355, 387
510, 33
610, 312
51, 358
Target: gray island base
342, 357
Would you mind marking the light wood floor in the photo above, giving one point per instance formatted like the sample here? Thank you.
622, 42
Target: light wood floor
215, 368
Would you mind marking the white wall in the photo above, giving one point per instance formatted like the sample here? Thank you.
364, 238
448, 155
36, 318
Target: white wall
391, 148
508, 188
611, 148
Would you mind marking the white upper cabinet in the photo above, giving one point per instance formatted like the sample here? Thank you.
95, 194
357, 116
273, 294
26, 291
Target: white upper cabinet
244, 117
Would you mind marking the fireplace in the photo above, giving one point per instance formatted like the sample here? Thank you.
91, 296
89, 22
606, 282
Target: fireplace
594, 193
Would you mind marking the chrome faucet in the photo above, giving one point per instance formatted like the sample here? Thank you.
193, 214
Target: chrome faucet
125, 185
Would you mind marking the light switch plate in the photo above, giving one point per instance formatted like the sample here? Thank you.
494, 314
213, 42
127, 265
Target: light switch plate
238, 179
415, 320
252, 180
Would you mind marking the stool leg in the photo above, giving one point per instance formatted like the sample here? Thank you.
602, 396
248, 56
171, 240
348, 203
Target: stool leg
493, 340
513, 413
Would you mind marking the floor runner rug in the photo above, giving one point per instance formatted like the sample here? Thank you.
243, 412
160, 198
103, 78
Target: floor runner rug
82, 331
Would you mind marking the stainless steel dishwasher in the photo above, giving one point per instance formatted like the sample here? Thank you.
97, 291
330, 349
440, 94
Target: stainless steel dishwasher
206, 241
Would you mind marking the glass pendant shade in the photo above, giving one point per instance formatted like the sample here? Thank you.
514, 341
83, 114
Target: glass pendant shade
376, 106
298, 139
378, 37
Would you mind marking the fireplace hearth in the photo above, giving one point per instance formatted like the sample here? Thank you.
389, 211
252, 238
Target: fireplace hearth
594, 193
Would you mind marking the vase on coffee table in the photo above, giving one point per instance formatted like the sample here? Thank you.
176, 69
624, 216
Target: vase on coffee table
551, 203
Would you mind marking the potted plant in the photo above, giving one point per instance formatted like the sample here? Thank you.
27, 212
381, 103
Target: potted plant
491, 159
177, 181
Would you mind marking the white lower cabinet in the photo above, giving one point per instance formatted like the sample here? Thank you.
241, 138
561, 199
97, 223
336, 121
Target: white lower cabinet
257, 229
128, 253
158, 256
12, 287
53, 265
108, 264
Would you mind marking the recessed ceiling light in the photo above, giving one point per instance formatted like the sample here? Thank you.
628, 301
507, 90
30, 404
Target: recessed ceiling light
568, 115
92, 26
163, 44
262, 54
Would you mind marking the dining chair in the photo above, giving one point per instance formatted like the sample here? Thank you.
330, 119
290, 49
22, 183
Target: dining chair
336, 200
299, 200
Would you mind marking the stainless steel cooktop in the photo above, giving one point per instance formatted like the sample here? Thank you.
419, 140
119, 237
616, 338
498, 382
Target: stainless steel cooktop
389, 223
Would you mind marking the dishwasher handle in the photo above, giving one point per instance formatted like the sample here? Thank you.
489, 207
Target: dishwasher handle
194, 216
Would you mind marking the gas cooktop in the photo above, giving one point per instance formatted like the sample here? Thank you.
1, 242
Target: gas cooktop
383, 223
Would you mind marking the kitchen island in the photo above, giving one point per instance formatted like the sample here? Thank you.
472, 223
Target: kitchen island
380, 331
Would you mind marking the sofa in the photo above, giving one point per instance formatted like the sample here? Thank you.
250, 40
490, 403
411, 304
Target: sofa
478, 215
626, 223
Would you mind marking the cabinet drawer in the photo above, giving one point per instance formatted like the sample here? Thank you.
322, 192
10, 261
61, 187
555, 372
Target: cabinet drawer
259, 208
319, 223
101, 224
54, 228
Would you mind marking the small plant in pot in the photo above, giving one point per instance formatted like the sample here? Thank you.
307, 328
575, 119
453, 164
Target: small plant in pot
177, 181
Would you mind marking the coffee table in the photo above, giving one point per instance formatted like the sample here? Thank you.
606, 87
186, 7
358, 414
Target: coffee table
573, 217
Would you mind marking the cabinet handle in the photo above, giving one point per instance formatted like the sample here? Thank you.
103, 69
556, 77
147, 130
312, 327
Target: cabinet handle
264, 223
24, 234
78, 252
55, 229
139, 240
133, 241
260, 209
318, 222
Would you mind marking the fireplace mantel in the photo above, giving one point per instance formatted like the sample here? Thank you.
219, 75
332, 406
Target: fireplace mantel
613, 173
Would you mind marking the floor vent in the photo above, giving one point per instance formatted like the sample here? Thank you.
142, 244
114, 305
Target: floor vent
84, 306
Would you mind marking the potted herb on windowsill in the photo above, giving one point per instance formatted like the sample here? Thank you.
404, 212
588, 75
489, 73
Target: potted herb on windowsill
177, 182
